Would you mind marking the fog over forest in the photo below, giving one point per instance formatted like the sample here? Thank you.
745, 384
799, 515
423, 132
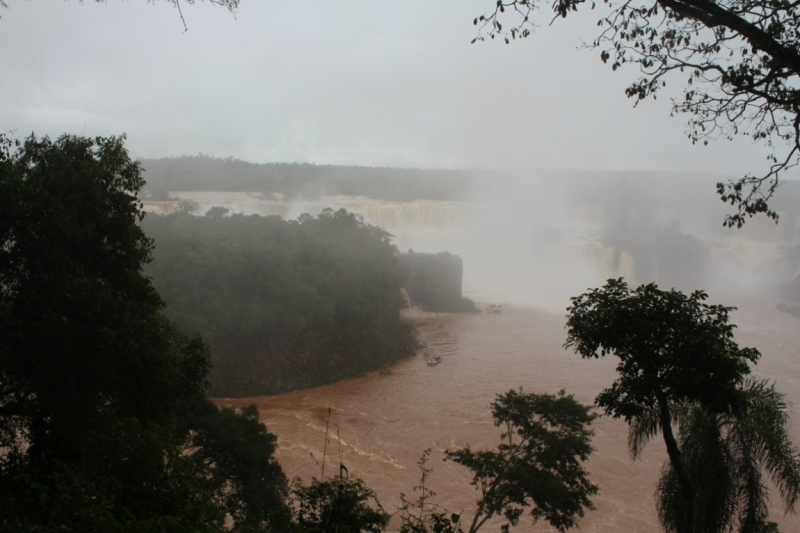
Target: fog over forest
534, 238
436, 267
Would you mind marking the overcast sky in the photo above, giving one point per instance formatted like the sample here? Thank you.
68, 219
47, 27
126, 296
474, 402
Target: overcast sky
360, 82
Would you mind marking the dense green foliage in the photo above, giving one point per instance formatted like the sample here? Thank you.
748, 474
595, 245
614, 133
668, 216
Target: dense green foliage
104, 423
671, 347
284, 304
674, 351
339, 504
202, 173
726, 455
538, 464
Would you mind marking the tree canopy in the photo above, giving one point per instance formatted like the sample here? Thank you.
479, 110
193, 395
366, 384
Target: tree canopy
539, 463
673, 350
670, 346
104, 423
284, 304
740, 60
337, 504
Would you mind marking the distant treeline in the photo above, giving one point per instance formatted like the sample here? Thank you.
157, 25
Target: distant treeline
284, 304
673, 190
293, 180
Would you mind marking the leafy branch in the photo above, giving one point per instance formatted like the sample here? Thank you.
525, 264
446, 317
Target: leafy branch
743, 64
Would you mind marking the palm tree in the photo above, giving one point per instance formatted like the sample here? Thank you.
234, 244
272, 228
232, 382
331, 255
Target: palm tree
726, 455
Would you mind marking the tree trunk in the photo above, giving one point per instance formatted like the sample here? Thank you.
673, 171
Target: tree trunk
674, 452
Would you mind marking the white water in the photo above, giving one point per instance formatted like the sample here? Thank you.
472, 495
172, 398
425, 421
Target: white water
516, 251
386, 421
534, 258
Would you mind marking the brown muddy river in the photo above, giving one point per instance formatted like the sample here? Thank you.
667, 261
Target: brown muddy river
384, 422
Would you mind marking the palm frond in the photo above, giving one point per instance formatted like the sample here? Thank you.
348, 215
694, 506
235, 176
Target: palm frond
709, 462
726, 456
670, 504
765, 428
641, 431
752, 493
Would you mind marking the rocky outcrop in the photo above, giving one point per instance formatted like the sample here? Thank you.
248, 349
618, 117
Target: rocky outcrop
434, 282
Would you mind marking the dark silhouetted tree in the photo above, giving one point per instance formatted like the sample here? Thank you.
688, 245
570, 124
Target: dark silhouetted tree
337, 504
104, 423
726, 455
673, 349
538, 464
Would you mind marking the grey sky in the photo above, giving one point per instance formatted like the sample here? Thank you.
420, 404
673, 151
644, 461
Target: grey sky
336, 81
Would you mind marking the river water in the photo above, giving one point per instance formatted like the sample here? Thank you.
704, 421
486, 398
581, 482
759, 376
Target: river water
527, 253
381, 423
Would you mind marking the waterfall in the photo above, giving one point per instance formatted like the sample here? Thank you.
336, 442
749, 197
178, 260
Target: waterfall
406, 298
532, 255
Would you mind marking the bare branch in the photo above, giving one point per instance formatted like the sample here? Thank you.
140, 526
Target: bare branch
743, 61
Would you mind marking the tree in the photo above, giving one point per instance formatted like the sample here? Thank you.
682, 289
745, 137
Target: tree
233, 453
217, 212
741, 59
673, 349
538, 464
104, 423
338, 504
72, 291
726, 455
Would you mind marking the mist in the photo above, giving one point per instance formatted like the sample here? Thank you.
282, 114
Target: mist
397, 86
350, 83
180, 368
540, 238
529, 238
386, 86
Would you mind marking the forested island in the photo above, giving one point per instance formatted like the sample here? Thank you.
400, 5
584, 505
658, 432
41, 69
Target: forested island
283, 304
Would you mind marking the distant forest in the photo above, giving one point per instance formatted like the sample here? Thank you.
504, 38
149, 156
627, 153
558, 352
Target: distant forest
677, 190
629, 199
293, 180
284, 304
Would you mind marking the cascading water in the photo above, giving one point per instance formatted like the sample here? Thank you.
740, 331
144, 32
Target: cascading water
533, 258
515, 254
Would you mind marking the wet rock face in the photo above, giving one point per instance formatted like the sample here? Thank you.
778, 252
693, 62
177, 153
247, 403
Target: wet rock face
434, 282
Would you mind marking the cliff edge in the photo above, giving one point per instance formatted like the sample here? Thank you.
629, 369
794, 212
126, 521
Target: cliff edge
434, 282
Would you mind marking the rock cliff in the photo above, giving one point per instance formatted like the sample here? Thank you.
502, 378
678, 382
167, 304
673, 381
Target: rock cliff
434, 282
